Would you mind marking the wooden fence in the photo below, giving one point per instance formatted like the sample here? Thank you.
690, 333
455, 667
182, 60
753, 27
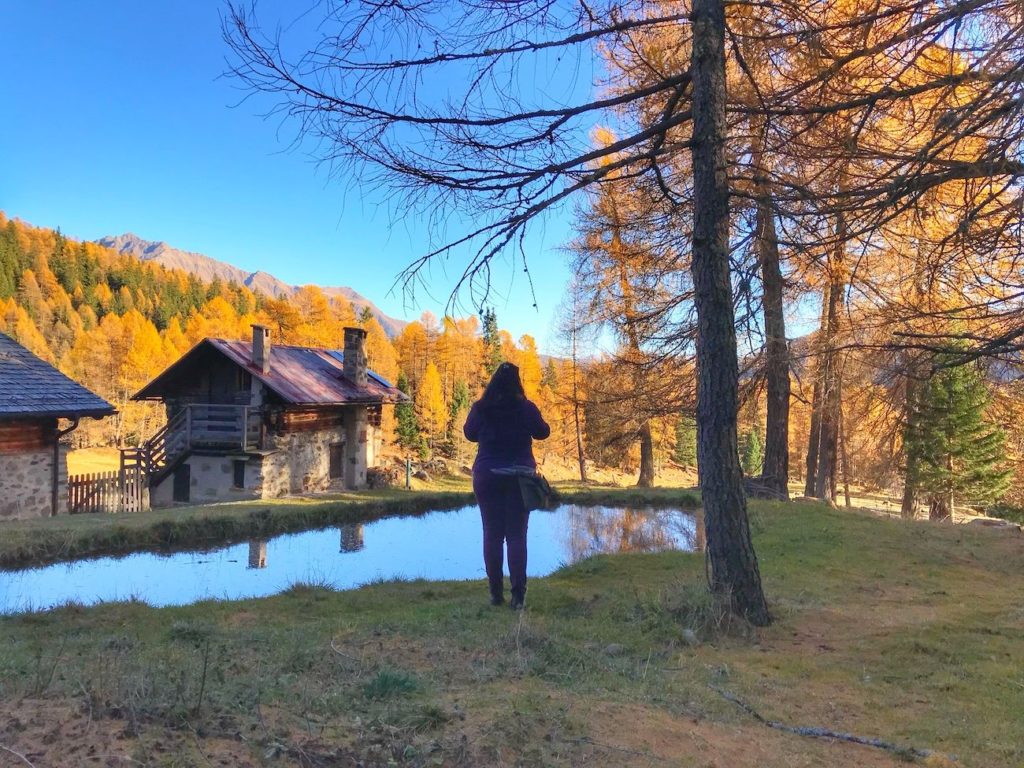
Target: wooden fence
112, 492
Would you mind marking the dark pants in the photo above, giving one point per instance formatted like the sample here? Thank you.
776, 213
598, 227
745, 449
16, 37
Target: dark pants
505, 520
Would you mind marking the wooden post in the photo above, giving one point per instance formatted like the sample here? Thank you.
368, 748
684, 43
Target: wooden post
123, 487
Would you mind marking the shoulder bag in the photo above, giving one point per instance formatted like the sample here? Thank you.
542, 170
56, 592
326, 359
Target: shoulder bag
534, 488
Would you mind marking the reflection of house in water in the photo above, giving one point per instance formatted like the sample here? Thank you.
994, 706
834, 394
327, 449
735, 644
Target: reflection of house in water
351, 537
258, 553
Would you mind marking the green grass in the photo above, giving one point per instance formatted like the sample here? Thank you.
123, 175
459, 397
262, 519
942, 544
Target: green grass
912, 633
55, 539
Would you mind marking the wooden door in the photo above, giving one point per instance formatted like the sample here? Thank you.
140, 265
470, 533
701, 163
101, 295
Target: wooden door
182, 483
337, 458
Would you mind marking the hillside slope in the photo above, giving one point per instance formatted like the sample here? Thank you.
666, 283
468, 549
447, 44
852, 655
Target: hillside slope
207, 269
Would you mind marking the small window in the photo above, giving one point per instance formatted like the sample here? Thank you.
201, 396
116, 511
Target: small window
239, 473
337, 453
243, 381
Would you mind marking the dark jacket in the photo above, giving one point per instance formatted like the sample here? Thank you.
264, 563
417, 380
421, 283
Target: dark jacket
505, 434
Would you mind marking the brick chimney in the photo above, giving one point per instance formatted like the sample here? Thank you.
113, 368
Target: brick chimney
261, 347
354, 367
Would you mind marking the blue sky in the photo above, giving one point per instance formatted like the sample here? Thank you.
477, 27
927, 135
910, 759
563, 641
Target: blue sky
116, 118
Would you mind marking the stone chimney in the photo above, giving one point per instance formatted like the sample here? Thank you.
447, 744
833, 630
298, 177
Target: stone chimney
261, 347
354, 368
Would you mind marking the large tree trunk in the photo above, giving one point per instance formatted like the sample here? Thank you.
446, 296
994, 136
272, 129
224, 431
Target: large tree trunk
843, 453
646, 479
734, 571
908, 507
828, 441
775, 472
638, 362
941, 507
814, 435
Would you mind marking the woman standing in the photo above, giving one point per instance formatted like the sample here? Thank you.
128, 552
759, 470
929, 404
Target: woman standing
505, 424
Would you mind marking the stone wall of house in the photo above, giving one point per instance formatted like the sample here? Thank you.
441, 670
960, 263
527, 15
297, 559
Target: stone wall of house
211, 478
300, 463
26, 483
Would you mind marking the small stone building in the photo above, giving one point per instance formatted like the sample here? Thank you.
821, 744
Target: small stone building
34, 397
249, 420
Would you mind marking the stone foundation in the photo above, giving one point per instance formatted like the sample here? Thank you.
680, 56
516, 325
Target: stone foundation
295, 463
26, 484
211, 478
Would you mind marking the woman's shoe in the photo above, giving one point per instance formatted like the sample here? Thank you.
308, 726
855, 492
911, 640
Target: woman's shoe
518, 601
497, 598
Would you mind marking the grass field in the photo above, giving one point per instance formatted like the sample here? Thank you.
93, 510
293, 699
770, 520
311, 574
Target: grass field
88, 460
908, 632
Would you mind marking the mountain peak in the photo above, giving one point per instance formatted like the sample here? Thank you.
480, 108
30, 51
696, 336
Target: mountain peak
209, 269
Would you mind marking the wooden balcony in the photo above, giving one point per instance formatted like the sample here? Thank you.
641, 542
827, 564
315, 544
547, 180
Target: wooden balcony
222, 426
199, 426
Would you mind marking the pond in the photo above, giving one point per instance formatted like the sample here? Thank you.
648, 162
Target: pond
439, 546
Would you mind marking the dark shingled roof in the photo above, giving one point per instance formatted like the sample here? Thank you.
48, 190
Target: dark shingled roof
299, 375
30, 387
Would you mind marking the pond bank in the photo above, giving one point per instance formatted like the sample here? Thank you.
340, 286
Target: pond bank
57, 539
904, 632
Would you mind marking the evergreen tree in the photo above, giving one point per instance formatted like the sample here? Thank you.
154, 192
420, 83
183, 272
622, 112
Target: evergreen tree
460, 401
752, 454
9, 261
685, 452
493, 353
550, 378
955, 455
407, 428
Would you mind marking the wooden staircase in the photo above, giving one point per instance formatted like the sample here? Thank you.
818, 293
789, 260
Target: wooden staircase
212, 427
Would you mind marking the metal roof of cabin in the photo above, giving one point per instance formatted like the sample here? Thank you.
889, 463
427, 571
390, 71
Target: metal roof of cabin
30, 387
299, 375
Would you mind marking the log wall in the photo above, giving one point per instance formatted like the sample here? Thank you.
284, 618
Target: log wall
26, 469
22, 436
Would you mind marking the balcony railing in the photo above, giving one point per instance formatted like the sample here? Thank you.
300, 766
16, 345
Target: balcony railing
198, 426
223, 426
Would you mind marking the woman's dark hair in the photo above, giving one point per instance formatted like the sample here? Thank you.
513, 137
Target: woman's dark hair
504, 388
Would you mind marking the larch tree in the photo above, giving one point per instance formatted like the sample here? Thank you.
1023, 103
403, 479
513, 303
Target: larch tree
499, 150
626, 273
569, 389
431, 411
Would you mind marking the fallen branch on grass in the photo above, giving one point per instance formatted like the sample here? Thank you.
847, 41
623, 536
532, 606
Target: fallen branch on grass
343, 654
18, 755
624, 750
824, 733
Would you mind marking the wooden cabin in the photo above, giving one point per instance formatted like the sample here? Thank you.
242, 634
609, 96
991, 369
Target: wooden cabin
254, 420
34, 398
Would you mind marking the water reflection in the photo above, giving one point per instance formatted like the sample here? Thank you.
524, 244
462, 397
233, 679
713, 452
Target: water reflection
597, 530
258, 553
442, 545
351, 537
